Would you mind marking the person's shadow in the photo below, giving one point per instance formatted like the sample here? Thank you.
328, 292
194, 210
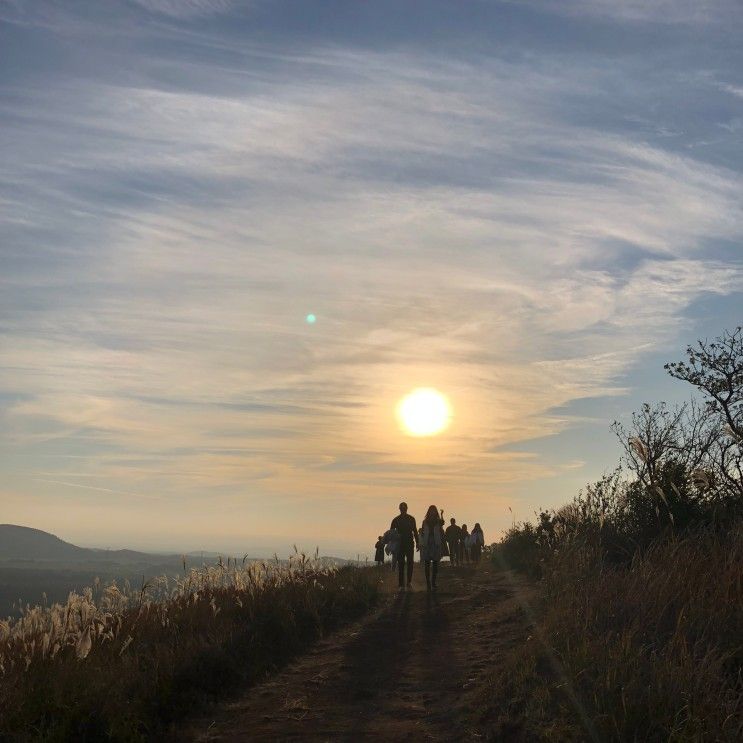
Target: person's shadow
434, 616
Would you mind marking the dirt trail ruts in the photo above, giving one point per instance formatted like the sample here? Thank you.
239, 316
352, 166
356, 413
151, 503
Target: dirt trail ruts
403, 673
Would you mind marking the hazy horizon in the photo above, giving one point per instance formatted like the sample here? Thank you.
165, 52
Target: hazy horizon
527, 206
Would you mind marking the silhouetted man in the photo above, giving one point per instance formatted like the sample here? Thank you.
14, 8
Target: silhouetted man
453, 536
406, 528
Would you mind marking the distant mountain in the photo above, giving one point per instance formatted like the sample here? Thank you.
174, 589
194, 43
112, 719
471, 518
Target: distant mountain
24, 543
27, 544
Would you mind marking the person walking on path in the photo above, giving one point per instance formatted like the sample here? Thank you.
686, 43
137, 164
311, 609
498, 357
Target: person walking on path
432, 545
408, 533
464, 549
379, 551
478, 542
453, 536
445, 546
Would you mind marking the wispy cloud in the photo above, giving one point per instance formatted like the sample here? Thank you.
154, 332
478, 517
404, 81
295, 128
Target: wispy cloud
454, 222
82, 486
186, 8
736, 90
657, 11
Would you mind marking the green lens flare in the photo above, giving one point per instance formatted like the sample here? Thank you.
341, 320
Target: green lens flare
311, 319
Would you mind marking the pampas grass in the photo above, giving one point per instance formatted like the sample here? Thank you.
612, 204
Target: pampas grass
126, 663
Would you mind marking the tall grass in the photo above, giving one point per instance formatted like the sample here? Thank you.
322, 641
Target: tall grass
638, 633
649, 651
126, 664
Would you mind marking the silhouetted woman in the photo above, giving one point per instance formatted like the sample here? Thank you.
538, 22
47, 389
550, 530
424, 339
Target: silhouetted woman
432, 544
379, 551
478, 542
464, 546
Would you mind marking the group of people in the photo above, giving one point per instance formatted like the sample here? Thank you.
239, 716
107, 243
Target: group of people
434, 542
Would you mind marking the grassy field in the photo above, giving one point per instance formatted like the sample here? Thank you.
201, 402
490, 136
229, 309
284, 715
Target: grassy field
126, 665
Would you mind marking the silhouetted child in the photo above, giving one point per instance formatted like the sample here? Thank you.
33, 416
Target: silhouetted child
379, 551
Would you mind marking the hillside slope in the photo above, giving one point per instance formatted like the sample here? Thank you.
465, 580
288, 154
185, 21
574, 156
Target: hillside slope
28, 544
25, 543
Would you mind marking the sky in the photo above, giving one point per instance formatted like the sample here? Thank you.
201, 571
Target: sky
529, 206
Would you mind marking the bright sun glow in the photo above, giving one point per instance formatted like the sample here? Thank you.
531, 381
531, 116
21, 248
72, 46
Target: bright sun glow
424, 412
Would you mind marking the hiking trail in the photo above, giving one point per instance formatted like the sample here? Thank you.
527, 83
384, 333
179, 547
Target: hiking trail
408, 671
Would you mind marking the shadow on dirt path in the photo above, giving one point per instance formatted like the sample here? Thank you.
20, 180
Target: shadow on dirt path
404, 673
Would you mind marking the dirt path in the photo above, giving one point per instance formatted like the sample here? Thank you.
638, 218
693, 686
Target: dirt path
404, 673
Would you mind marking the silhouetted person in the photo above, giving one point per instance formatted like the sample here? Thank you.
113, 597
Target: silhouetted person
445, 552
478, 542
464, 549
432, 545
453, 536
379, 551
392, 546
408, 533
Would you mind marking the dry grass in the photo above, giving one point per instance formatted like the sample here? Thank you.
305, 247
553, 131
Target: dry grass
648, 652
123, 664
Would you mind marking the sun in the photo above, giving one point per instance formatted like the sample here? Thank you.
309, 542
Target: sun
424, 412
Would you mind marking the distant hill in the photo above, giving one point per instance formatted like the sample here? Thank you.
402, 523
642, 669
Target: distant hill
27, 544
24, 543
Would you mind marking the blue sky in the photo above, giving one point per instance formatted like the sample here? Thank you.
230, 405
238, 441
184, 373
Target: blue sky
528, 205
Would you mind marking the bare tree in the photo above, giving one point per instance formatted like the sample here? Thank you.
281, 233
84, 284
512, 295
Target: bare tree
693, 450
716, 369
659, 435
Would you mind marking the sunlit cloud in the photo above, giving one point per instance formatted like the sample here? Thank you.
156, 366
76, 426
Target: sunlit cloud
449, 222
